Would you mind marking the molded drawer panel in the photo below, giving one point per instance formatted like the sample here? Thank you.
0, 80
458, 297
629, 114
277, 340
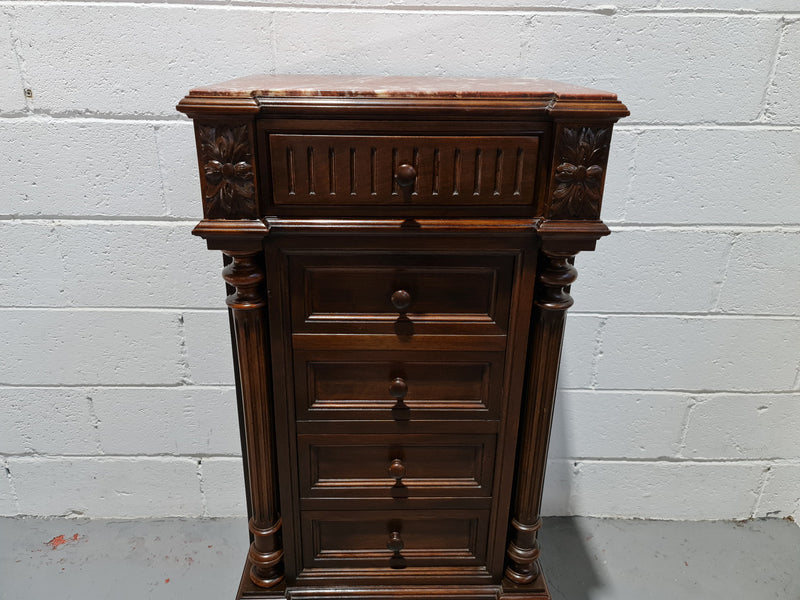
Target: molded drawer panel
420, 538
397, 385
401, 292
395, 466
360, 170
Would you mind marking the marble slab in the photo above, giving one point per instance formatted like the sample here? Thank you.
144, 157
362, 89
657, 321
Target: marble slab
358, 86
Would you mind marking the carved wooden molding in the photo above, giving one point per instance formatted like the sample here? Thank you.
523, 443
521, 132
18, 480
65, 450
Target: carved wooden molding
226, 168
266, 554
581, 156
246, 275
554, 281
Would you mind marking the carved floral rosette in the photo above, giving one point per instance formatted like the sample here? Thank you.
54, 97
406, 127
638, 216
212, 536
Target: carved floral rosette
581, 156
225, 152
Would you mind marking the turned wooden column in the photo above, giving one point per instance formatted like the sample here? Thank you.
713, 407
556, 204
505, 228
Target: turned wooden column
245, 274
550, 309
572, 224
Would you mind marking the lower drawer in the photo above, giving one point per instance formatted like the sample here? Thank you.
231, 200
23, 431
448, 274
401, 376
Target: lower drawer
394, 539
395, 465
358, 385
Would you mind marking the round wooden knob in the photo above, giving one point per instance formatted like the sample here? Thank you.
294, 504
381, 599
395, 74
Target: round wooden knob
401, 300
397, 469
398, 388
405, 175
395, 543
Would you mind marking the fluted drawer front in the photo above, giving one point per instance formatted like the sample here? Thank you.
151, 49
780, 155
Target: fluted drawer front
395, 466
393, 539
400, 292
397, 385
402, 170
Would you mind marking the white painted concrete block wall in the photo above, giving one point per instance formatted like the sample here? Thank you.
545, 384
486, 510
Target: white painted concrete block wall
680, 389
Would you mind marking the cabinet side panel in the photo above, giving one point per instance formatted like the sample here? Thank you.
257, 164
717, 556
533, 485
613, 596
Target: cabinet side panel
519, 325
283, 389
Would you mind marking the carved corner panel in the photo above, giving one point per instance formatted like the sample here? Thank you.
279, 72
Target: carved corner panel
227, 177
579, 169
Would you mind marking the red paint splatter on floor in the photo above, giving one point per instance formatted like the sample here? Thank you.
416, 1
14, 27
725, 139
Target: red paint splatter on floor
56, 542
59, 541
166, 580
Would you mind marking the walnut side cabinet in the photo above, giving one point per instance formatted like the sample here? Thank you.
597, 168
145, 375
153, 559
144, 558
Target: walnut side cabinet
398, 259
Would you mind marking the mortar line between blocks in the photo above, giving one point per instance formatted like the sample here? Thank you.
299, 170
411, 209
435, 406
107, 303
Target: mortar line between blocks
161, 168
624, 460
616, 226
12, 487
762, 115
723, 278
103, 219
797, 378
149, 309
157, 457
231, 386
87, 115
672, 392
111, 386
201, 483
620, 226
629, 186
685, 426
95, 421
642, 126
194, 457
84, 116
463, 9
183, 354
691, 316
597, 353
766, 476
273, 44
62, 257
26, 434
602, 10
16, 47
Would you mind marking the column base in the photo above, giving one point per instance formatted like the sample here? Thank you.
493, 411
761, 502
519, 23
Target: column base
506, 591
250, 591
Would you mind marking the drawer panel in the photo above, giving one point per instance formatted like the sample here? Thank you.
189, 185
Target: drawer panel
400, 292
417, 538
396, 385
360, 170
395, 466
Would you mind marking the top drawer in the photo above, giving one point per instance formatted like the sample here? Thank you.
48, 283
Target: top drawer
368, 170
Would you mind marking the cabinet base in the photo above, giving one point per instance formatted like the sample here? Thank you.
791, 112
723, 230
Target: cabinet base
507, 591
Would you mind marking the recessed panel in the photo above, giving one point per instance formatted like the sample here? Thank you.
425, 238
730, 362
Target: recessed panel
353, 170
359, 385
400, 292
397, 466
394, 539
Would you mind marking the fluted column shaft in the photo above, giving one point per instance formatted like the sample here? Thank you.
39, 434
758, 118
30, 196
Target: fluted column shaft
551, 302
248, 304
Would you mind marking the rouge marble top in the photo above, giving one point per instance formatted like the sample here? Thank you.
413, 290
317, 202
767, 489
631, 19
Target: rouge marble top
357, 86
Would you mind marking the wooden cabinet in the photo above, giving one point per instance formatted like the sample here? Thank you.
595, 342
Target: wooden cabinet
398, 257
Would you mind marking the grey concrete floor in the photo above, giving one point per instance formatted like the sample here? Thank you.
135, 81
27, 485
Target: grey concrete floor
584, 559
